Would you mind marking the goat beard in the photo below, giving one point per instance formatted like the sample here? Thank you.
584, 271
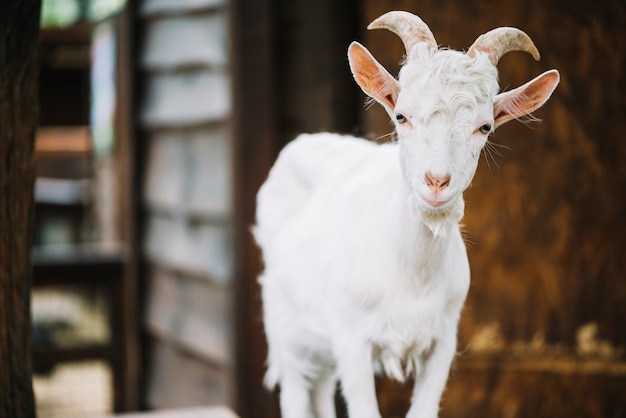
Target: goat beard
437, 220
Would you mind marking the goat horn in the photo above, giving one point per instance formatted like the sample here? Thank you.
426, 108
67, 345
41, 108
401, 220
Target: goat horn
499, 41
410, 28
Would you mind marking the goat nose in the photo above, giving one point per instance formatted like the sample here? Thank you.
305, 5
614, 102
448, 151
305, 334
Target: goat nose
437, 183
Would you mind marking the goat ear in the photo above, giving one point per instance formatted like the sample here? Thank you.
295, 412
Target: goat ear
524, 99
372, 77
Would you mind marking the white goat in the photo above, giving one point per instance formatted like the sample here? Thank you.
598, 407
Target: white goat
365, 267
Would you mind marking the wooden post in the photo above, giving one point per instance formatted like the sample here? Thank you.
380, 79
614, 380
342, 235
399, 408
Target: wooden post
290, 76
255, 147
19, 29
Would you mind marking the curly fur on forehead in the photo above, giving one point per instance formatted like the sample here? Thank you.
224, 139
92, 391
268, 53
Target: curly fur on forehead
460, 80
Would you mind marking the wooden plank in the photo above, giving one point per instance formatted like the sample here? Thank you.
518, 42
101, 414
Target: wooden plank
90, 265
164, 185
66, 167
64, 152
210, 173
160, 7
496, 392
197, 412
186, 41
45, 358
196, 248
512, 386
186, 99
62, 191
79, 33
63, 140
178, 379
128, 171
191, 313
190, 170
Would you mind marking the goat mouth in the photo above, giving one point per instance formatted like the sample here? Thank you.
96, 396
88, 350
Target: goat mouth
436, 203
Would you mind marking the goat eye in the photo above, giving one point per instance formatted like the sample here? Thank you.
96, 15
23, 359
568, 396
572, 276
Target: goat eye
485, 129
400, 118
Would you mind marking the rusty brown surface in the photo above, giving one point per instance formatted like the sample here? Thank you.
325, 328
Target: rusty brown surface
496, 391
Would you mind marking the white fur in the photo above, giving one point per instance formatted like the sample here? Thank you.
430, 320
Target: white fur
351, 276
363, 272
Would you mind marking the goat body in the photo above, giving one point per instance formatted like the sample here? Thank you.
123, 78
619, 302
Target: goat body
351, 275
365, 266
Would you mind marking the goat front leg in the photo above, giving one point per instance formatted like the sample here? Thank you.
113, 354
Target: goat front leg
295, 396
430, 384
356, 375
324, 395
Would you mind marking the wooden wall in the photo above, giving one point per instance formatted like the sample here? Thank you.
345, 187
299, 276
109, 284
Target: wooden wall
542, 331
185, 112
